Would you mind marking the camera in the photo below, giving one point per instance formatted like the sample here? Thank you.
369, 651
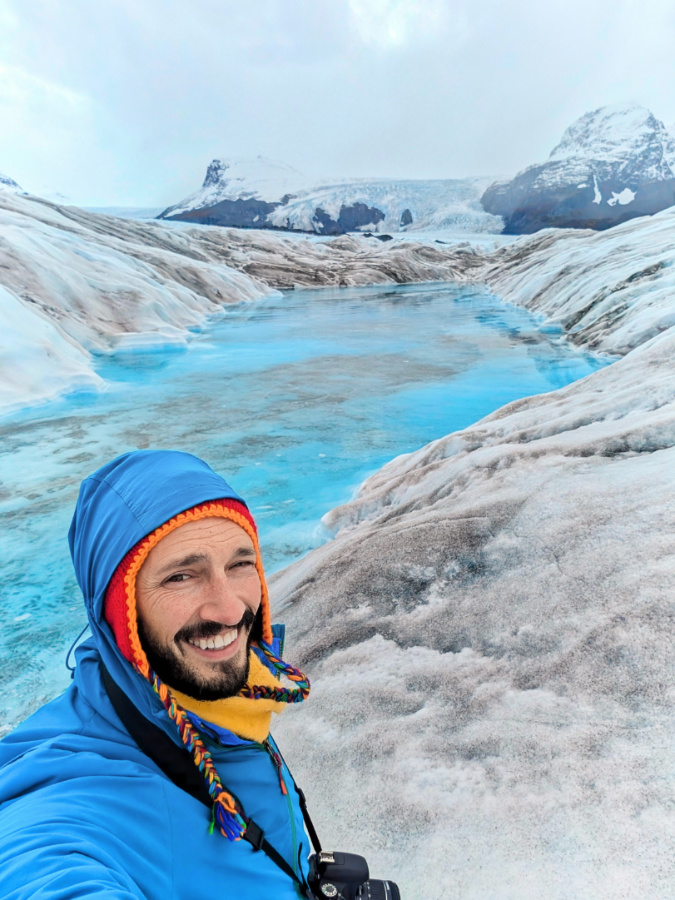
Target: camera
345, 876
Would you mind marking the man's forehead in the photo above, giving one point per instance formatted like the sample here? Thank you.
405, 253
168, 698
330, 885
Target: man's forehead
204, 536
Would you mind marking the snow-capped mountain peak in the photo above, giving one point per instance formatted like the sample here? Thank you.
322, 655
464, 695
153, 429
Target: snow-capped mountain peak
8, 184
261, 178
616, 134
235, 179
614, 163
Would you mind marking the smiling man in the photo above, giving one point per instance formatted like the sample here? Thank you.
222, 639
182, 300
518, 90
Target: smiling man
154, 775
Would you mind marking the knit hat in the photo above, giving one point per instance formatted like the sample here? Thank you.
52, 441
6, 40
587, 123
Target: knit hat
120, 600
120, 613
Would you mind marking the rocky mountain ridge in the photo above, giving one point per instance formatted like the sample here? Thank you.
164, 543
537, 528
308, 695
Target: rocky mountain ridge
263, 193
612, 164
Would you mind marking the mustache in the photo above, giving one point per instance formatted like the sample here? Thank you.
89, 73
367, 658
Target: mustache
211, 629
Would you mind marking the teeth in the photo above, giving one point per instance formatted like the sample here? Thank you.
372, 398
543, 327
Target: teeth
224, 639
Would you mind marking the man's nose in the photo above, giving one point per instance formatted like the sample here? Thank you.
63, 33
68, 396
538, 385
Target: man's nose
220, 602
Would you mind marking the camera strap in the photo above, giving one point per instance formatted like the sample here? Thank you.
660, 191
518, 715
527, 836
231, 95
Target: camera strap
176, 763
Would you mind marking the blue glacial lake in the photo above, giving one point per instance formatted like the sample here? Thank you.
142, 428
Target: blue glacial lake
295, 400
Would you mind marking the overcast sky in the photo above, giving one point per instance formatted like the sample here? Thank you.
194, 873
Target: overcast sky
125, 102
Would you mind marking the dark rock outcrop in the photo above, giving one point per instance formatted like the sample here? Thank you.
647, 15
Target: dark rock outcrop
406, 218
351, 218
249, 213
613, 164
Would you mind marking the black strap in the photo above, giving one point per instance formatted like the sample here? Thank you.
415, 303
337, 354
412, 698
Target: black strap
177, 765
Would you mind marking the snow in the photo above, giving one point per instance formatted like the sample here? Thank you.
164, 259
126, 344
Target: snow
597, 196
613, 134
623, 197
8, 184
489, 634
235, 179
450, 203
616, 148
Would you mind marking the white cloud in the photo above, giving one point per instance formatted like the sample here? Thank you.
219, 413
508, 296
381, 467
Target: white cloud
133, 98
395, 23
24, 93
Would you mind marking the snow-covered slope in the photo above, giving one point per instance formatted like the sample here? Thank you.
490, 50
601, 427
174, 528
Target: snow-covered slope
98, 281
262, 180
8, 184
37, 360
264, 194
490, 633
612, 164
390, 206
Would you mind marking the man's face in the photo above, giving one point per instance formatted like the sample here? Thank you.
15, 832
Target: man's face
197, 594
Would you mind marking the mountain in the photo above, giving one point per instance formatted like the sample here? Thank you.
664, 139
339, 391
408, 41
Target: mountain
612, 164
8, 184
262, 193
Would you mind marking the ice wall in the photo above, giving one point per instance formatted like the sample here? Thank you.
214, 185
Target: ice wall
490, 634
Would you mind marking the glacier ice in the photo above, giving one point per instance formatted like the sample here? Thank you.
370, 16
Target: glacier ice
490, 632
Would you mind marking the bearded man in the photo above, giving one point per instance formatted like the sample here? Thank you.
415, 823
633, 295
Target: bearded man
182, 670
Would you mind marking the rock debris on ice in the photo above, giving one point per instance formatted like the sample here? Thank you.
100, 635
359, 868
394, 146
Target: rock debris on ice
101, 281
490, 633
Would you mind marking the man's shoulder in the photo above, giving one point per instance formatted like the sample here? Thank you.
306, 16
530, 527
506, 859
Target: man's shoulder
76, 731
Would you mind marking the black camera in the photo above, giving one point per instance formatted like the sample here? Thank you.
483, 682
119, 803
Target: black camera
345, 876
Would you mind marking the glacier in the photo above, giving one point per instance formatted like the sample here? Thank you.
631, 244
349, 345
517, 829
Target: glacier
264, 193
103, 282
490, 631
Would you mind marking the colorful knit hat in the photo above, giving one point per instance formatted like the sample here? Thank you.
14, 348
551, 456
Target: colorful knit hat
120, 613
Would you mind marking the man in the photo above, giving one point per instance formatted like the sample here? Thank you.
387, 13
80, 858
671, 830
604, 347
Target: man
184, 657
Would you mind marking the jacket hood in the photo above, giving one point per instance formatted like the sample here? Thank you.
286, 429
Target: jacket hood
117, 506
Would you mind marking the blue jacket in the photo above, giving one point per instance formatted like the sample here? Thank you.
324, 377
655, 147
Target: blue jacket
83, 812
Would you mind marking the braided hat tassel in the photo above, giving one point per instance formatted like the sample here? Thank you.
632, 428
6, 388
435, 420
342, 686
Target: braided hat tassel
226, 813
281, 694
121, 614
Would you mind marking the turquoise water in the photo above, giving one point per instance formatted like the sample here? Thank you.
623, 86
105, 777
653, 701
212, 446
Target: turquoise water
295, 400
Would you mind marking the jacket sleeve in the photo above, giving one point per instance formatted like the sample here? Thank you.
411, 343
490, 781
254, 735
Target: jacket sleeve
61, 865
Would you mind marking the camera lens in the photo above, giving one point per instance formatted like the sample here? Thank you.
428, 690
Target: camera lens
378, 890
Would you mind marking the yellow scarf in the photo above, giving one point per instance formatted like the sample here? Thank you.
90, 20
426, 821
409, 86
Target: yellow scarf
247, 718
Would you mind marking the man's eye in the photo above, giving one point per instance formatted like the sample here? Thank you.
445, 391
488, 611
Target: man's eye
243, 563
176, 579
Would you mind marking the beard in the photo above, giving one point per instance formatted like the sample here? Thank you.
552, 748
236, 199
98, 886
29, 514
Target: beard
228, 676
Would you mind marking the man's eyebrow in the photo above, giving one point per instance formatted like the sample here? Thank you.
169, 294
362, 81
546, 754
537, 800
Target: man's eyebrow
186, 561
244, 551
202, 557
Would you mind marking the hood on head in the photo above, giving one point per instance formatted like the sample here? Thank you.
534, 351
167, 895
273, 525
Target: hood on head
117, 506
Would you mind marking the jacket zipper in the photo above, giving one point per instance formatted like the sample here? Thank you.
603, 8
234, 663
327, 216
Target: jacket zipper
276, 759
